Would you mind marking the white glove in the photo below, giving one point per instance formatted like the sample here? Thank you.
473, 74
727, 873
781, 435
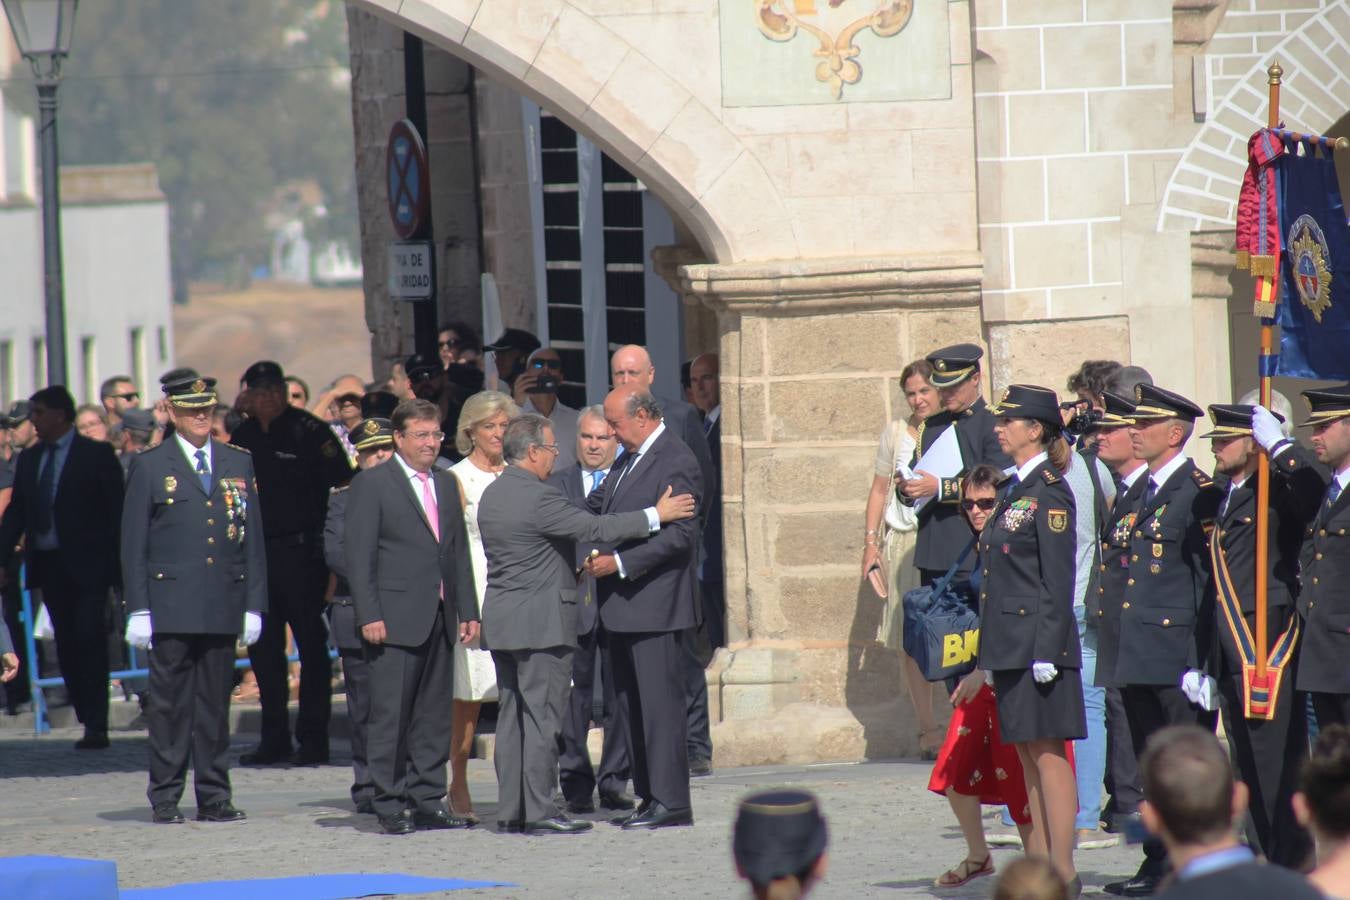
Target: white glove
139, 629
1044, 672
1266, 428
989, 677
252, 628
1200, 689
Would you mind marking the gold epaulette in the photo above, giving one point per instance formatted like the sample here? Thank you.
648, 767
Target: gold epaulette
240, 449
1050, 477
1200, 478
339, 489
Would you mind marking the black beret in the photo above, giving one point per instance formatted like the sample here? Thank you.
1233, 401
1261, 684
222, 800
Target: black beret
777, 833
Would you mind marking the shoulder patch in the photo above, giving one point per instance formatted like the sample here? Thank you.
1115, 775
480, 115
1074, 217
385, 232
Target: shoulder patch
1058, 520
339, 489
1200, 478
1050, 477
240, 449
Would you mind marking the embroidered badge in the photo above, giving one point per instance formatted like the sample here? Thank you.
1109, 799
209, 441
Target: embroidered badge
1157, 551
170, 484
1155, 568
1058, 520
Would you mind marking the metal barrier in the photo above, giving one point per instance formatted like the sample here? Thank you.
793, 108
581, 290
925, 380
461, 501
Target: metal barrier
37, 683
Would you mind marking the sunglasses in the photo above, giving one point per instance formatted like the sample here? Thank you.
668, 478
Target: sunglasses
451, 344
984, 503
130, 395
548, 364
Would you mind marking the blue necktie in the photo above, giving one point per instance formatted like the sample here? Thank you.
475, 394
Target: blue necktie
203, 472
1150, 490
1333, 491
596, 477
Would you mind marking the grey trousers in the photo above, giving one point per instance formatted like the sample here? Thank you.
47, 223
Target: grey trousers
532, 689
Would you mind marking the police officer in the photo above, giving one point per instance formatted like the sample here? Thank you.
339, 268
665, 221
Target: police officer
1324, 602
942, 529
298, 460
373, 439
1269, 739
194, 579
1166, 616
1029, 636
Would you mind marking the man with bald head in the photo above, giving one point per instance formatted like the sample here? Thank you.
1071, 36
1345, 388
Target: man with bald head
648, 599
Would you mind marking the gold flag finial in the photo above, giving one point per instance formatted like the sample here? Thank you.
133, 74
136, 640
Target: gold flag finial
1275, 72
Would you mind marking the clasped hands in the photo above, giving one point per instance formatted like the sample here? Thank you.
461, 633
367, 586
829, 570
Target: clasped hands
1200, 689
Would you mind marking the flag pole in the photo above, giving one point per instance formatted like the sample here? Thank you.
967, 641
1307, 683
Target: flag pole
1266, 310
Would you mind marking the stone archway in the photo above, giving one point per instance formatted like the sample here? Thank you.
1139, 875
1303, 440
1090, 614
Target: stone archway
568, 60
1203, 190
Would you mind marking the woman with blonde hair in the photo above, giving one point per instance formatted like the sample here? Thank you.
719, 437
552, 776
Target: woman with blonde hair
888, 543
478, 436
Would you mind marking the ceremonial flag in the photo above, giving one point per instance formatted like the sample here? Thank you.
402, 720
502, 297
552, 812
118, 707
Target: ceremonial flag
1314, 309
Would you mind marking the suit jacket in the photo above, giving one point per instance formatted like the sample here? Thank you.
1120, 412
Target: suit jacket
1028, 550
1323, 600
530, 531
334, 539
660, 592
195, 560
568, 481
1248, 881
713, 555
688, 425
397, 570
87, 510
942, 529
1114, 570
1166, 622
1293, 504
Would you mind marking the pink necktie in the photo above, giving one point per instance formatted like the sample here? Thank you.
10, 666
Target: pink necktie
429, 504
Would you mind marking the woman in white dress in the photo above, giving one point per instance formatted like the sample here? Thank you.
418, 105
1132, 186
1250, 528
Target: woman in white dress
482, 422
890, 537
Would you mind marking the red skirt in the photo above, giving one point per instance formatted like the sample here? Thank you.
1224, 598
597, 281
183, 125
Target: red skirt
974, 761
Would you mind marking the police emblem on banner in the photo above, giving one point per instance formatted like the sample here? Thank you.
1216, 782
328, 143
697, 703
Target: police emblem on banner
1311, 258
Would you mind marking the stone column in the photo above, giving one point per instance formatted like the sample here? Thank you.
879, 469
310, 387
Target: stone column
812, 352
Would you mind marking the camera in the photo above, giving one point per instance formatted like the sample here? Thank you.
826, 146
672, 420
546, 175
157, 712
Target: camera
1085, 419
544, 384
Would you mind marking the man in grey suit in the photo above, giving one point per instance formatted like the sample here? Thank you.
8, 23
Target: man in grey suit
530, 613
411, 582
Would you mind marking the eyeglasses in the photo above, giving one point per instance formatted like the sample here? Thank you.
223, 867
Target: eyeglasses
450, 344
548, 364
425, 435
551, 448
129, 395
984, 503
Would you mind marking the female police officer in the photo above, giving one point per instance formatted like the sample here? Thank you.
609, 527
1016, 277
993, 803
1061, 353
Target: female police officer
1028, 635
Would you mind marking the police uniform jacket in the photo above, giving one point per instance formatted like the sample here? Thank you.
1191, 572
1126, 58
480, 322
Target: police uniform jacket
942, 529
1293, 503
194, 559
1324, 600
298, 459
1027, 584
1166, 616
1114, 569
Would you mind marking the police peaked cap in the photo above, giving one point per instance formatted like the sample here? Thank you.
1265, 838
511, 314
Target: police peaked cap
1326, 405
953, 365
1153, 402
1232, 420
1029, 401
777, 833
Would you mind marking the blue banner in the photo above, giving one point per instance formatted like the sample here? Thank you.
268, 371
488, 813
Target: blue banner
1314, 314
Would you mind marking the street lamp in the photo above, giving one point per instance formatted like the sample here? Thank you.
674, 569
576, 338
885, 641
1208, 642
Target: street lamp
43, 29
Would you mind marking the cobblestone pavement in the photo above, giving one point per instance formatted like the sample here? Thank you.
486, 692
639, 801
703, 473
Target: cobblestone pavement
889, 837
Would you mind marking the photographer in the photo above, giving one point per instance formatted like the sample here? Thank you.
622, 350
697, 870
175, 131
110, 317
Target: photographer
536, 391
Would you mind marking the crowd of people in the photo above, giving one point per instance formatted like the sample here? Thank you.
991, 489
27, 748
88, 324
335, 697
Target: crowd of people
1116, 587
458, 545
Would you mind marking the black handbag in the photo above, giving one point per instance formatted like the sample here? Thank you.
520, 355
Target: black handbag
942, 625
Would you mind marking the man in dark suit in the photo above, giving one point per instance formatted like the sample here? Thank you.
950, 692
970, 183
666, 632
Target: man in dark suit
67, 505
411, 581
942, 529
706, 388
596, 447
530, 611
648, 600
195, 578
1192, 801
1166, 621
1267, 749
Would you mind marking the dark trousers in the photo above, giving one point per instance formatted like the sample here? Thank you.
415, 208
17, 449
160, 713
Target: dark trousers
356, 679
80, 619
714, 612
531, 696
1122, 768
1150, 708
11, 599
408, 735
575, 773
295, 585
695, 653
649, 682
1268, 756
188, 714
1331, 709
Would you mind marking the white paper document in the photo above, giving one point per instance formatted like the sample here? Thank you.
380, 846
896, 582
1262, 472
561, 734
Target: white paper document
941, 460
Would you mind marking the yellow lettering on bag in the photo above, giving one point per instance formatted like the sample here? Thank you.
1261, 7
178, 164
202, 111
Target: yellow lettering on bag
959, 647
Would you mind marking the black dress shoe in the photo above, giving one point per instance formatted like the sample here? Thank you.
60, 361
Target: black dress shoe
265, 756
167, 814
699, 766
625, 819
1138, 886
657, 816
581, 806
510, 827
223, 811
438, 819
617, 800
309, 756
93, 740
556, 825
398, 823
